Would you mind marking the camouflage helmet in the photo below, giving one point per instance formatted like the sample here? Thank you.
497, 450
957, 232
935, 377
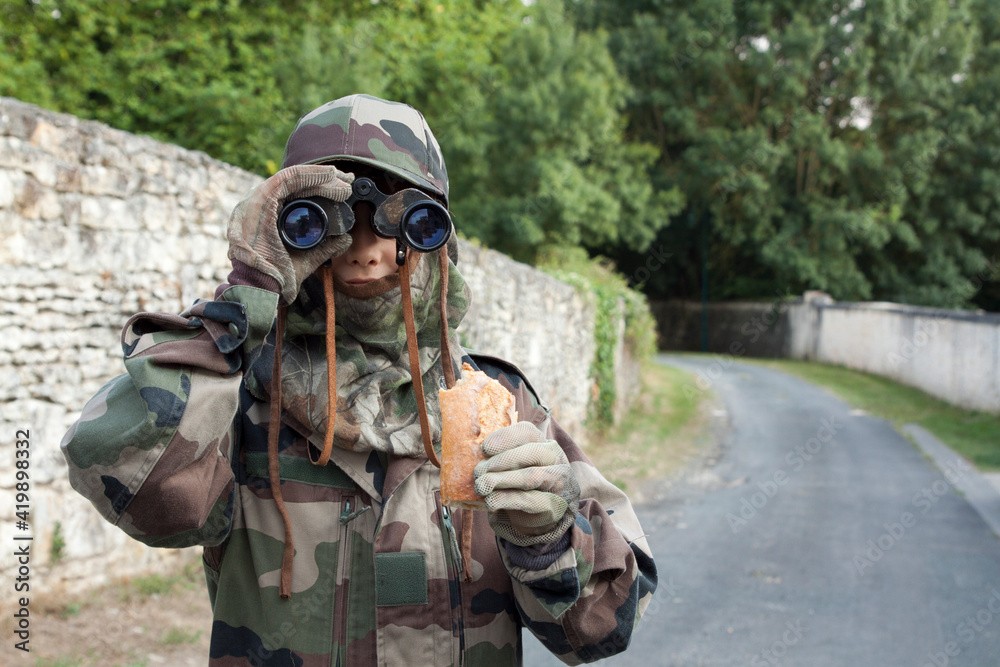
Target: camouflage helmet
387, 135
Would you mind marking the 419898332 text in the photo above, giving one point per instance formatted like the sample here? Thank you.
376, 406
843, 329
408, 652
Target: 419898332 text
22, 538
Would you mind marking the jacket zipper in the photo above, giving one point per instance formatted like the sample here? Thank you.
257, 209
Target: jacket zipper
347, 515
456, 551
456, 556
343, 563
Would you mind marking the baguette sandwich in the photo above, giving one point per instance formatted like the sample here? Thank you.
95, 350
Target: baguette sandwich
475, 407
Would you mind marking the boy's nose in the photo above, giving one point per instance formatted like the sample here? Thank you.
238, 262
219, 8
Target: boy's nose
364, 245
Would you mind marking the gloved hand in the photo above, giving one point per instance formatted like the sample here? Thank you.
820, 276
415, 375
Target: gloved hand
528, 484
259, 257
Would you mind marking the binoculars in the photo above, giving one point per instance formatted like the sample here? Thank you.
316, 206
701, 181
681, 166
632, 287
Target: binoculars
409, 216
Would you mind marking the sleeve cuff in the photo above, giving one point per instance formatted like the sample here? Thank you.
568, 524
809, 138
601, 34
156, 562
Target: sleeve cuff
536, 556
243, 274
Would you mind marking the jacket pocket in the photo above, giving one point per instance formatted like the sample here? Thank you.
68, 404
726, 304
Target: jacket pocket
298, 469
400, 579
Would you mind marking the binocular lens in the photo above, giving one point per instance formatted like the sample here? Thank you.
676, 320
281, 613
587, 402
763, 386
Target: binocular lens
426, 226
303, 224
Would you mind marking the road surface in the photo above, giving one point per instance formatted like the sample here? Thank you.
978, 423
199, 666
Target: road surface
820, 537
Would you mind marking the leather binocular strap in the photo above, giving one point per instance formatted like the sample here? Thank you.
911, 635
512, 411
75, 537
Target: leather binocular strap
468, 515
285, 585
331, 369
446, 364
411, 346
273, 427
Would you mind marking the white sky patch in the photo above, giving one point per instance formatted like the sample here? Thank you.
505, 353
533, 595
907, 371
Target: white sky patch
861, 113
761, 43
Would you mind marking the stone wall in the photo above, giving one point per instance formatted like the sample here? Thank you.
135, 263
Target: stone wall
951, 354
753, 328
541, 324
97, 224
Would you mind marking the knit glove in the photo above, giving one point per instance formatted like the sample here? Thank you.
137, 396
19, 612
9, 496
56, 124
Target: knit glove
528, 484
259, 257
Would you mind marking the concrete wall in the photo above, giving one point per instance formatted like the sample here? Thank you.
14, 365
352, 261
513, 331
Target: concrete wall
756, 329
97, 224
951, 354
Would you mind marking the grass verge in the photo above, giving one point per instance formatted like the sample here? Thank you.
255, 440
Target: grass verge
665, 427
974, 435
157, 619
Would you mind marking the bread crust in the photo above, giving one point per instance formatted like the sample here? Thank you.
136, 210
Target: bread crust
475, 407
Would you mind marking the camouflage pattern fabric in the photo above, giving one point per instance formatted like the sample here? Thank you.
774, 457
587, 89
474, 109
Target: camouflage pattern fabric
376, 405
174, 453
389, 135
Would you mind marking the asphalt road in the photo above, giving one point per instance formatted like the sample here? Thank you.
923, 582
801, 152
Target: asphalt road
820, 537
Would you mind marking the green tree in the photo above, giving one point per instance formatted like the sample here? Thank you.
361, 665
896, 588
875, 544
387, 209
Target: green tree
804, 135
560, 171
922, 126
194, 72
527, 107
963, 195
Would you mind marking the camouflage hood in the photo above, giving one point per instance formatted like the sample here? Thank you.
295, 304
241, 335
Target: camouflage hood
376, 403
371, 365
391, 136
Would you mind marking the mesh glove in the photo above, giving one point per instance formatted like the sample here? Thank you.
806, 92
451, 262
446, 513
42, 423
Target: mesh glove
259, 257
528, 484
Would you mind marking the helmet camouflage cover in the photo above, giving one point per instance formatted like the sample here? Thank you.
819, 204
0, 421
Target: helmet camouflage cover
391, 136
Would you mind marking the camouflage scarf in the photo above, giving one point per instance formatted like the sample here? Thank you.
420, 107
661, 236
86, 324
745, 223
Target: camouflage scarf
376, 406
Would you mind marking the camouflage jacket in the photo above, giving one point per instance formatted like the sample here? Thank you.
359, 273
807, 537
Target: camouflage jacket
174, 452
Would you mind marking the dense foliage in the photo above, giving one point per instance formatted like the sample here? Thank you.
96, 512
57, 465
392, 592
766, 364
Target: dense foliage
843, 146
851, 146
526, 107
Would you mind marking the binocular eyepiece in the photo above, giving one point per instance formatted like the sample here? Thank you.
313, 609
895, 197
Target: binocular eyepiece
409, 216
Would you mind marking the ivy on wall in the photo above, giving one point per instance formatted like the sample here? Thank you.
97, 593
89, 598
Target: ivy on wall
613, 298
603, 366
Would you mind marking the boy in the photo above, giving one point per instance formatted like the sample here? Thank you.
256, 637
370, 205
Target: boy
325, 538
